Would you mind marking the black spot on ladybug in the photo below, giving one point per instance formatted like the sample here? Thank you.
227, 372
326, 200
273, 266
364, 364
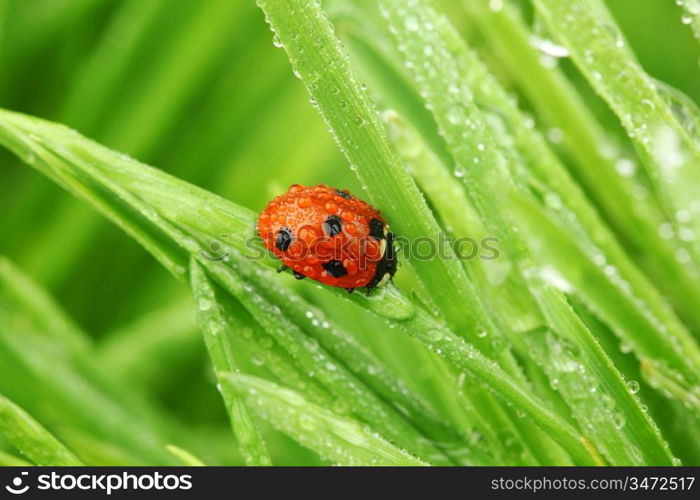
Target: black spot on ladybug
335, 268
333, 225
298, 276
284, 239
343, 194
376, 229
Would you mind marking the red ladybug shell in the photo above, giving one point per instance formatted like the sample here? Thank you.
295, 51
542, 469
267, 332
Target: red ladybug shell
330, 236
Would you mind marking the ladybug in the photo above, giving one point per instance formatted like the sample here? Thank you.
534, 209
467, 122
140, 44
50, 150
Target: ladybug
330, 236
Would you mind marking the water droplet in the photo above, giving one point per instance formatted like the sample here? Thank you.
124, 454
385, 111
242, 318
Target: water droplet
683, 256
433, 335
340, 406
455, 114
633, 386
555, 135
267, 342
618, 420
666, 230
411, 23
548, 47
307, 423
276, 41
496, 5
625, 167
686, 19
257, 359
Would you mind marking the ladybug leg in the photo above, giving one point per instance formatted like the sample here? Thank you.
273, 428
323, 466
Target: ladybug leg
368, 290
282, 268
349, 290
298, 276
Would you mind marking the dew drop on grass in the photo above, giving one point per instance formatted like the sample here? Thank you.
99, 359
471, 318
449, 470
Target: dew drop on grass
665, 230
204, 304
340, 406
411, 23
257, 359
686, 19
625, 167
496, 5
307, 423
455, 114
267, 342
555, 135
548, 47
433, 335
625, 348
633, 386
618, 420
498, 344
553, 277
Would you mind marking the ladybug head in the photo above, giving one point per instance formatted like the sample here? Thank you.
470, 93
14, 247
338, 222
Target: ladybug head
387, 265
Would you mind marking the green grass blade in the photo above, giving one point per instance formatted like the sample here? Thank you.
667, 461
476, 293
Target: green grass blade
7, 460
31, 438
213, 328
186, 457
340, 440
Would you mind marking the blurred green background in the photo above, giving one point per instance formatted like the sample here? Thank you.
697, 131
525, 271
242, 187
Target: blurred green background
196, 88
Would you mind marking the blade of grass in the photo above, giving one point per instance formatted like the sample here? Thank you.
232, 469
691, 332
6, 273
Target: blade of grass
186, 457
31, 438
213, 327
7, 460
337, 439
